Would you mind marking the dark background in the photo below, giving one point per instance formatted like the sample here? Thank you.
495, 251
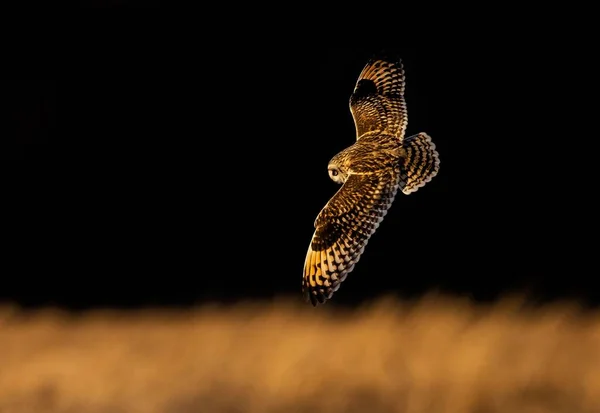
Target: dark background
156, 172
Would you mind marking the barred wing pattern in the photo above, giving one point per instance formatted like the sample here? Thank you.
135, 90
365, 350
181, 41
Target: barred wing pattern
377, 102
421, 162
343, 228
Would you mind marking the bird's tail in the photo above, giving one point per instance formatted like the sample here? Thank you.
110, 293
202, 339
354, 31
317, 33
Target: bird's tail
421, 162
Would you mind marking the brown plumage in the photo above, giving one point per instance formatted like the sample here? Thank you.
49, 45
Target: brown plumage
372, 170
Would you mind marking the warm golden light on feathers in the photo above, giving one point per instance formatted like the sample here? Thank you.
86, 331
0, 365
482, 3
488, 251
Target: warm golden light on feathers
380, 162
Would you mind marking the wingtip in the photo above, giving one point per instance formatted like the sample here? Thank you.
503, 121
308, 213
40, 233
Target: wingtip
314, 297
309, 298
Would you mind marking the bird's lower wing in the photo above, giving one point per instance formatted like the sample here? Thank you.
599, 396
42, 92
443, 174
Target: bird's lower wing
343, 228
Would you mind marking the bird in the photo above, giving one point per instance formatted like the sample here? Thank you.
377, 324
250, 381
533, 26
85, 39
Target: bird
381, 162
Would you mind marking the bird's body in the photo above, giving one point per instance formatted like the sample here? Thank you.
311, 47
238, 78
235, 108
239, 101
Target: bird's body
372, 170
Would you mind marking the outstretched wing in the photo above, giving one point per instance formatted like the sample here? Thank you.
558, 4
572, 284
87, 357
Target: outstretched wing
377, 102
343, 228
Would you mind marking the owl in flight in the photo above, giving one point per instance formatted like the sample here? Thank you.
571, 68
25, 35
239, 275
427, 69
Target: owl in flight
371, 171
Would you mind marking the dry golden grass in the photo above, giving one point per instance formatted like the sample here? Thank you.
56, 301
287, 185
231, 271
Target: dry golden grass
434, 355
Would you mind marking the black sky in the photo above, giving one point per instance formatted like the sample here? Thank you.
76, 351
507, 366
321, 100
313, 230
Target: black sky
169, 174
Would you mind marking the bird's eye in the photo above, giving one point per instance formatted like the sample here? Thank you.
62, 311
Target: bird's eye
334, 172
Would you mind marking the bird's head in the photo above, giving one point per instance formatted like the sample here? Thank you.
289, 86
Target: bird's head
338, 171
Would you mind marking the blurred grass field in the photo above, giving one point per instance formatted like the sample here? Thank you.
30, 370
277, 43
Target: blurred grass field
436, 354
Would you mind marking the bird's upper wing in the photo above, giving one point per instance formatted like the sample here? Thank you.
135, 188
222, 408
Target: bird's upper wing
377, 102
343, 228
